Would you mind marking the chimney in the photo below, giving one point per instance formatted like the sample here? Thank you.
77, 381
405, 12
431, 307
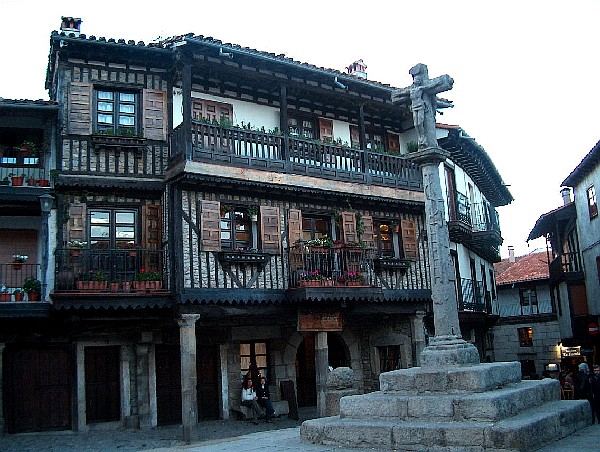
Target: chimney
70, 25
566, 195
511, 254
358, 68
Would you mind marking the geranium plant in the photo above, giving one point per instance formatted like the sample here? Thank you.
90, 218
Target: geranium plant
76, 244
144, 275
20, 258
311, 276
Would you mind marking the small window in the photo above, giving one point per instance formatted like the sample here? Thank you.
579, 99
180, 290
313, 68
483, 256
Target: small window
528, 296
117, 112
253, 356
316, 228
236, 228
525, 337
382, 236
592, 204
389, 358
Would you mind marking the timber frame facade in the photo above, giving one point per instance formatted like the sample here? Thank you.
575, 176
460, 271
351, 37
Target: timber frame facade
218, 211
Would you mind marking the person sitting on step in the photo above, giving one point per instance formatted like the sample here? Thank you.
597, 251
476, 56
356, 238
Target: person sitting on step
264, 398
249, 399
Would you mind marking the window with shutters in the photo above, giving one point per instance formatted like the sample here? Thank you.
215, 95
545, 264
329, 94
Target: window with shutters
236, 228
116, 112
592, 203
374, 139
112, 228
315, 227
211, 111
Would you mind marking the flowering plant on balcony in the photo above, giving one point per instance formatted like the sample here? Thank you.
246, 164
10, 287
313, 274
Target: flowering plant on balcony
93, 275
144, 275
310, 276
20, 258
351, 277
76, 244
324, 242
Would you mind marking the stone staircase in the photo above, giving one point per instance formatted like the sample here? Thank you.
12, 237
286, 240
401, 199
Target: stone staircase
454, 408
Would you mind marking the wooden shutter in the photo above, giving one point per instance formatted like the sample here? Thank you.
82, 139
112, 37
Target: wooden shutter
294, 225
210, 225
409, 238
80, 109
325, 129
354, 137
155, 114
349, 227
270, 229
151, 216
76, 224
367, 235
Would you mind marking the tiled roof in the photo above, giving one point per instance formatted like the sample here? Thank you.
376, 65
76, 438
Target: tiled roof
531, 267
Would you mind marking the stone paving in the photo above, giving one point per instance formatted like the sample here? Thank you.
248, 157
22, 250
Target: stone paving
218, 436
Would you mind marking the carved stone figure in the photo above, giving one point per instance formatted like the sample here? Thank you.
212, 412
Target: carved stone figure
422, 96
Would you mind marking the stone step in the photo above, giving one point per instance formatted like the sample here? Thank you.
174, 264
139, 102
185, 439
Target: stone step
526, 431
476, 378
479, 406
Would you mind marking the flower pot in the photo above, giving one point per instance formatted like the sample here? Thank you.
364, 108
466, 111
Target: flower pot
75, 252
4, 296
354, 283
17, 265
33, 296
396, 229
43, 183
17, 181
19, 296
127, 286
114, 287
31, 182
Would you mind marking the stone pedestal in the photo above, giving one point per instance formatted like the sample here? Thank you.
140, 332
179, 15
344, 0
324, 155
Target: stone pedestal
466, 408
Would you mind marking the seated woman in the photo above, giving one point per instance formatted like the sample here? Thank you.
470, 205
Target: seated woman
264, 398
249, 399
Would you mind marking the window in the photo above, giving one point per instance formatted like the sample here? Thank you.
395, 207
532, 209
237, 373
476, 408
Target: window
211, 111
315, 228
117, 111
528, 296
389, 358
592, 204
382, 236
236, 228
112, 228
301, 127
374, 139
525, 336
253, 355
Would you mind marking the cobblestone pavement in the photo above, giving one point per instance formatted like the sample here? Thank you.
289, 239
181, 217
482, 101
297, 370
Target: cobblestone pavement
219, 436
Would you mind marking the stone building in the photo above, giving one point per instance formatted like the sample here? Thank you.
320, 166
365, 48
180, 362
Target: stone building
219, 211
527, 330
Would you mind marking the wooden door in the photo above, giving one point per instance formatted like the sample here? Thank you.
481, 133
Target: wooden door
102, 384
306, 374
38, 389
168, 384
207, 368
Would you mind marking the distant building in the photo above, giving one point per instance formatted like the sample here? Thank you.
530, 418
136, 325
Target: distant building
528, 329
573, 234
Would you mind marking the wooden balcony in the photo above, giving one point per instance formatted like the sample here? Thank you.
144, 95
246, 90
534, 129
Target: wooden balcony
22, 170
566, 267
273, 152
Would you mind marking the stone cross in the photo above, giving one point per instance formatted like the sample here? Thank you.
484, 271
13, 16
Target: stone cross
422, 95
447, 347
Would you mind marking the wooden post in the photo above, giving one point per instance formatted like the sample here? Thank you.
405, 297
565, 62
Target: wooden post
283, 122
362, 139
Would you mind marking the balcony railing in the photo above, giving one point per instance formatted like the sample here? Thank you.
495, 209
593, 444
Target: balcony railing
111, 270
566, 265
485, 218
312, 266
472, 297
462, 209
17, 169
261, 150
13, 276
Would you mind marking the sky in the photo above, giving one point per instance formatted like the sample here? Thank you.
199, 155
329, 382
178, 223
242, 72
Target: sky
512, 63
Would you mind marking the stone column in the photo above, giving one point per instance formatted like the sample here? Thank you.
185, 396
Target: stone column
143, 387
447, 347
418, 335
223, 351
80, 423
321, 367
2, 345
189, 397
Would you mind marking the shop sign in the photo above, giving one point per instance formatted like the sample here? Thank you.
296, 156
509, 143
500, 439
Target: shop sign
320, 321
569, 352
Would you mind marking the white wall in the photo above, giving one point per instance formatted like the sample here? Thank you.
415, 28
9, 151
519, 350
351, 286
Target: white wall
588, 231
509, 302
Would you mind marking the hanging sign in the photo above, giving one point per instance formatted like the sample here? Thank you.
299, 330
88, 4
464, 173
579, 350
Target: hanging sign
569, 352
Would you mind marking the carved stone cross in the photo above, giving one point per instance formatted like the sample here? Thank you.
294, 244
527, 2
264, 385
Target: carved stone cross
423, 102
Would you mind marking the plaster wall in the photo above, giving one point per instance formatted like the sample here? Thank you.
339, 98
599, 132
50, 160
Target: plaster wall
509, 302
588, 231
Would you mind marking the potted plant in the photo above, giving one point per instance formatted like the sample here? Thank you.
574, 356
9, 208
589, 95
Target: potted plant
5, 181
31, 182
310, 279
253, 213
16, 181
4, 294
352, 279
147, 280
19, 294
19, 260
394, 226
43, 183
412, 146
114, 286
33, 288
76, 246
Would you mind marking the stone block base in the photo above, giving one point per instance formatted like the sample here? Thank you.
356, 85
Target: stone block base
332, 400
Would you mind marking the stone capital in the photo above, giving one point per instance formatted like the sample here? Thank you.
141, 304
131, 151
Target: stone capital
188, 320
429, 156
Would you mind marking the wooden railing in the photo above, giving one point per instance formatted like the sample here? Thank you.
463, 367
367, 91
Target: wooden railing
261, 150
110, 270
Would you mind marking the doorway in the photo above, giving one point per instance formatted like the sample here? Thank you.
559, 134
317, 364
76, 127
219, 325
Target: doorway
102, 384
168, 384
208, 388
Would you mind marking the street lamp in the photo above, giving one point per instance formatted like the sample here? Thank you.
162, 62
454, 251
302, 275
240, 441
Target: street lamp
46, 202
